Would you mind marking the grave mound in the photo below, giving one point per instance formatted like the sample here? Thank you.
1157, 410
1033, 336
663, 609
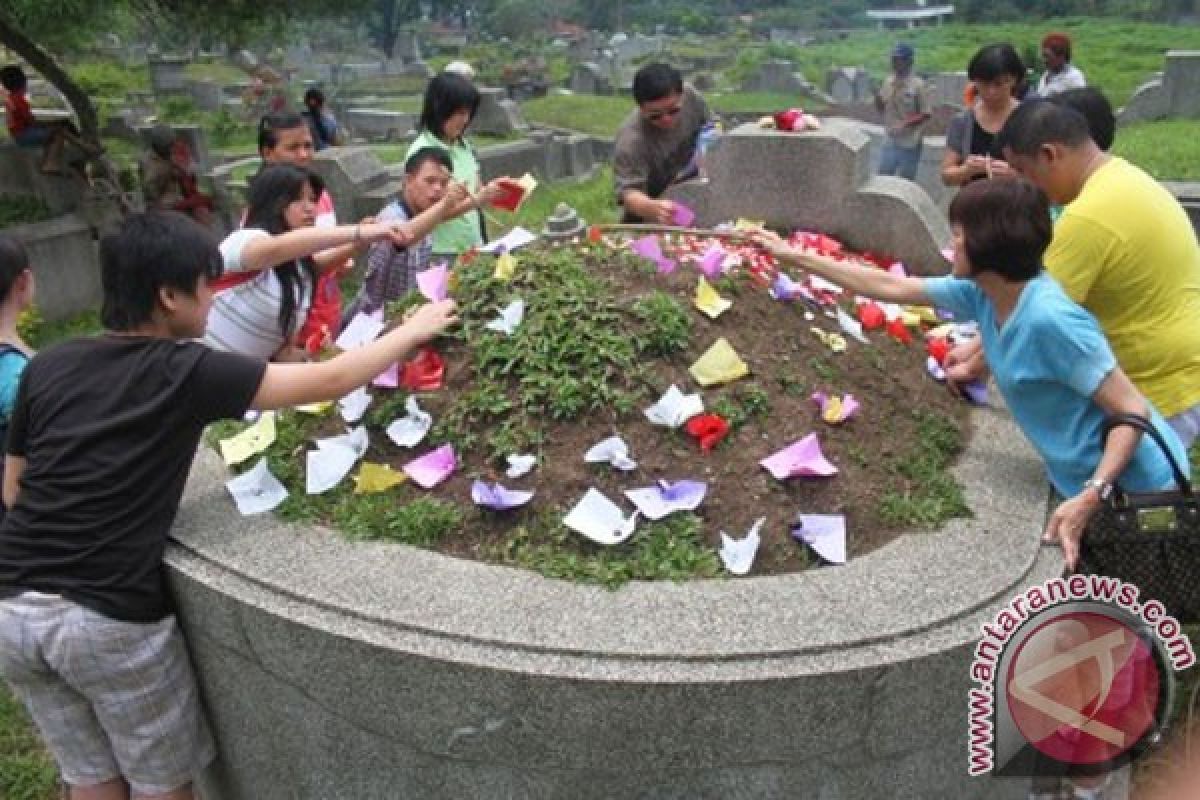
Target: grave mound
605, 333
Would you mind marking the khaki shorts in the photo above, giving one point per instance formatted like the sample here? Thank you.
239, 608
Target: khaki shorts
112, 699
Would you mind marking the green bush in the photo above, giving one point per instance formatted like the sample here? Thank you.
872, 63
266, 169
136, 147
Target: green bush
22, 210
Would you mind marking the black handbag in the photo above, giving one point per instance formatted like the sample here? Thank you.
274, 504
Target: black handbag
1149, 539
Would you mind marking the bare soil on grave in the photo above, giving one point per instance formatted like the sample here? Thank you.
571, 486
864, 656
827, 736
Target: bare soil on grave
774, 339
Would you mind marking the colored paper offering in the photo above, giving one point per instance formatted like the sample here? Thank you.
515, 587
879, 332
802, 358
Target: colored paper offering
785, 289
836, 410
800, 459
649, 248
681, 215
432, 468
434, 283
510, 318
938, 347
256, 490
516, 238
354, 405
389, 378
506, 267
520, 465
409, 430
948, 254
363, 329
315, 408
600, 519
977, 392
656, 502
252, 441
871, 316
719, 364
424, 372
708, 430
899, 331
612, 450
712, 263
674, 408
709, 301
824, 533
498, 498
743, 224
375, 478
850, 326
922, 314
834, 341
738, 554
514, 192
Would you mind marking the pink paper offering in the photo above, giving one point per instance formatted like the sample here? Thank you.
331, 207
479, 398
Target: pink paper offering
836, 410
801, 459
824, 533
682, 215
712, 261
432, 468
389, 378
433, 283
648, 247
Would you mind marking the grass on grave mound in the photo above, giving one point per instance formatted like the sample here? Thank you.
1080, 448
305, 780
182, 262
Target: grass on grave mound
603, 337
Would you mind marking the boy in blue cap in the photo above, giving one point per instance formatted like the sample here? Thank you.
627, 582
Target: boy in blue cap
904, 102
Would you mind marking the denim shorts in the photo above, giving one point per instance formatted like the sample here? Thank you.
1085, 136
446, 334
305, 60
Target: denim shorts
33, 136
112, 699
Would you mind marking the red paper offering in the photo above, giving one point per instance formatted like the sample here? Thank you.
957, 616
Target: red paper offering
424, 372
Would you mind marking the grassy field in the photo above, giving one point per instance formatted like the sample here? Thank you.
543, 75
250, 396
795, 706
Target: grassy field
600, 115
1167, 149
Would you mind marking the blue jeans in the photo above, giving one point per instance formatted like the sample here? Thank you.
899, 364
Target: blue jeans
902, 161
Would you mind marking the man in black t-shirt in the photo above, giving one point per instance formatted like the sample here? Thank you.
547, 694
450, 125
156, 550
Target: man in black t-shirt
100, 444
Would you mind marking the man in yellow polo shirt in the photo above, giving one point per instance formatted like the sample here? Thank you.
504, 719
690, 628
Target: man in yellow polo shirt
1124, 249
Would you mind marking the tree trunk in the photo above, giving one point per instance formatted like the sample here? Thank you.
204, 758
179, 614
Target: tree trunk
15, 40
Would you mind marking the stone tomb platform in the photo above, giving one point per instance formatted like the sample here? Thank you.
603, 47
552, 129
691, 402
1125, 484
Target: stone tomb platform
335, 669
818, 180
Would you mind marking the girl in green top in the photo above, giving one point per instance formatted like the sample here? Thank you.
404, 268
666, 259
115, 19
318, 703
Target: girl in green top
450, 104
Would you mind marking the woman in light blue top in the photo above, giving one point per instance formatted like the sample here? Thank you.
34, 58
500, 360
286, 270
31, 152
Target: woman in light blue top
1048, 355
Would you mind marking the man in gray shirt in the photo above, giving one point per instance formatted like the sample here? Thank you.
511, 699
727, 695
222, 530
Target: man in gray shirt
904, 102
656, 144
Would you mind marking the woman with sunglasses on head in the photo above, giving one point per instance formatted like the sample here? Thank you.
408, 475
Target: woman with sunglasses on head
451, 102
656, 144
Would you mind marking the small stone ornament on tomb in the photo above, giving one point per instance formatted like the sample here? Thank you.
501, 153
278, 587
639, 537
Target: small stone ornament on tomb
563, 225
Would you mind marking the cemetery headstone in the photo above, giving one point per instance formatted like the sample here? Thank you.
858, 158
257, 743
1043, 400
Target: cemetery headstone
168, 75
1176, 93
497, 114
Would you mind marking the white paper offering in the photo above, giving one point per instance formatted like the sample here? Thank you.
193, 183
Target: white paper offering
256, 490
354, 405
738, 554
612, 450
600, 519
408, 431
363, 329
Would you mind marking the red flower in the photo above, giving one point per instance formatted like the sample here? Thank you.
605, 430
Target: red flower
899, 331
938, 347
708, 429
424, 372
468, 256
871, 316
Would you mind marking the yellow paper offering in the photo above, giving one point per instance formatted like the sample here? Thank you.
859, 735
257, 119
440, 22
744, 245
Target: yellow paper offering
940, 332
709, 301
506, 267
910, 319
252, 441
834, 341
315, 408
375, 478
833, 410
923, 314
721, 364
748, 224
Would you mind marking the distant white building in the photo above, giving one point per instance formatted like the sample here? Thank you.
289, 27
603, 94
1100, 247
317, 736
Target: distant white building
911, 16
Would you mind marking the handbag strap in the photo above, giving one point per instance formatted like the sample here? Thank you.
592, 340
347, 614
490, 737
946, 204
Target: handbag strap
1143, 425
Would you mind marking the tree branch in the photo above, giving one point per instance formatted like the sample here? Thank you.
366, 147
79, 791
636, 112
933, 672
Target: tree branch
12, 37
